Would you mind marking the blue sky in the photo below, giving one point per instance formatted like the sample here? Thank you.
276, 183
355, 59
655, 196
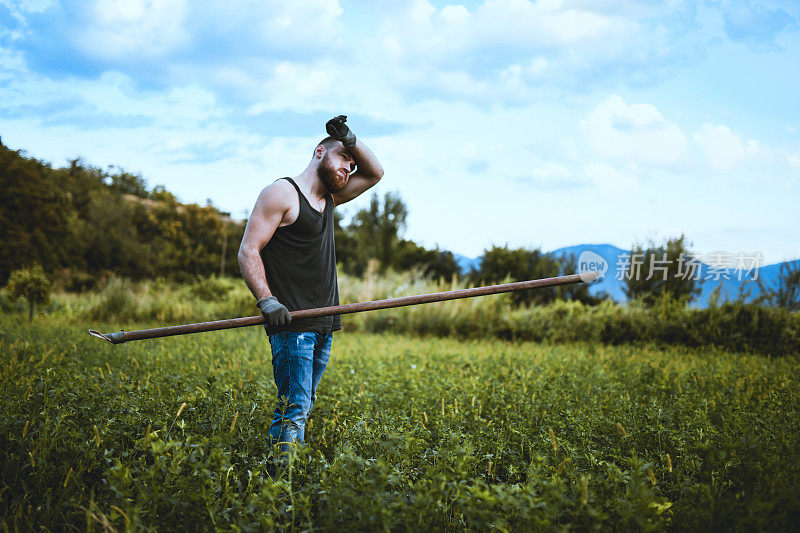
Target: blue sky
538, 124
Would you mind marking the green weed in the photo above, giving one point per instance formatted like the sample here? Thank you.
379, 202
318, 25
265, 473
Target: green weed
406, 434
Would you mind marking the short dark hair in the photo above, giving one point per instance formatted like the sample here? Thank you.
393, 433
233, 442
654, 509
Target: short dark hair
327, 142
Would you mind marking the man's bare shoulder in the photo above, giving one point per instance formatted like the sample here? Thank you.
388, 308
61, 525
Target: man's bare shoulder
277, 195
279, 202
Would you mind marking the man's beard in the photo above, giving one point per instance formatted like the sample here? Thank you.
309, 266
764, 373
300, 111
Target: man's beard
330, 178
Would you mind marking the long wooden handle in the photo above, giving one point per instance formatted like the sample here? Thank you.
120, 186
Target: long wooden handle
125, 336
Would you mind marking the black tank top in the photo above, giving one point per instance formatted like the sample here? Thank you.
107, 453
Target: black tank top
300, 266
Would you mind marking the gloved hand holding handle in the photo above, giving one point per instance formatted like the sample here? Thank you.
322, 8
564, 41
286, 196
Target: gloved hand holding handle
274, 311
337, 129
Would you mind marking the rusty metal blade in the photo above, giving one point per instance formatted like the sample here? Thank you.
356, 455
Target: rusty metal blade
99, 335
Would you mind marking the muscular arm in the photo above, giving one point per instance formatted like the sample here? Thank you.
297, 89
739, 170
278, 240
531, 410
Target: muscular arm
270, 210
368, 174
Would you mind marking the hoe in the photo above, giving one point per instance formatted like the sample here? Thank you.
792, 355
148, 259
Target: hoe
119, 337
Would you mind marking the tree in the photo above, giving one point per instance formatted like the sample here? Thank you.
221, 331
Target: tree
785, 293
31, 284
128, 183
435, 264
34, 214
661, 270
377, 229
346, 247
520, 264
88, 221
375, 235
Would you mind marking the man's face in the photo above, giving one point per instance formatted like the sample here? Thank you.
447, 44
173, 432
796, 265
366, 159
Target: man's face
335, 168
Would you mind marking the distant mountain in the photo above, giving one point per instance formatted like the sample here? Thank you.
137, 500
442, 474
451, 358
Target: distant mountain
731, 282
466, 264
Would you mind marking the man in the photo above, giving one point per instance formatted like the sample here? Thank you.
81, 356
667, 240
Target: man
288, 261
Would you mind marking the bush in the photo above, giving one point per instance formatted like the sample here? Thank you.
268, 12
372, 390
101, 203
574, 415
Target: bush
32, 285
80, 282
8, 305
114, 301
211, 289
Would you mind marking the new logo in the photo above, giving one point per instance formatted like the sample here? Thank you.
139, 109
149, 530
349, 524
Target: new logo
590, 262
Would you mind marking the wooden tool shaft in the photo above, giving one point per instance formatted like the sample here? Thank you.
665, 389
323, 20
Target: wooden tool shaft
125, 336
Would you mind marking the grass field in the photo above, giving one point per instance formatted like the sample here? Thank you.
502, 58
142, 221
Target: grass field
407, 434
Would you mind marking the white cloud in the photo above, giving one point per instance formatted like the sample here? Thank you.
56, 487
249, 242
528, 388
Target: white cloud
611, 182
133, 29
455, 14
506, 50
635, 8
512, 25
633, 133
551, 171
723, 148
499, 51
794, 160
551, 177
299, 87
516, 75
229, 46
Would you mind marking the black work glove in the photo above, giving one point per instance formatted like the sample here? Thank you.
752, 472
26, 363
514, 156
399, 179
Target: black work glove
337, 129
274, 311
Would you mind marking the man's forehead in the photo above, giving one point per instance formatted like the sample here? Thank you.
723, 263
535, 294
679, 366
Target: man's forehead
339, 149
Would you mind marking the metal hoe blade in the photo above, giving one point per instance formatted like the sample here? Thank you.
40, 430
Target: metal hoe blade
113, 338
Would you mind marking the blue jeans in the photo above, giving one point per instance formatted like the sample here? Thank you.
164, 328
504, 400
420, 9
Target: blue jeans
298, 362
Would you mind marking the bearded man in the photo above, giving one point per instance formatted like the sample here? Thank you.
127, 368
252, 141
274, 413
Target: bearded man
288, 261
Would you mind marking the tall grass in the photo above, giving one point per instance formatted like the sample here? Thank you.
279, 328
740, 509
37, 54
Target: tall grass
734, 326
